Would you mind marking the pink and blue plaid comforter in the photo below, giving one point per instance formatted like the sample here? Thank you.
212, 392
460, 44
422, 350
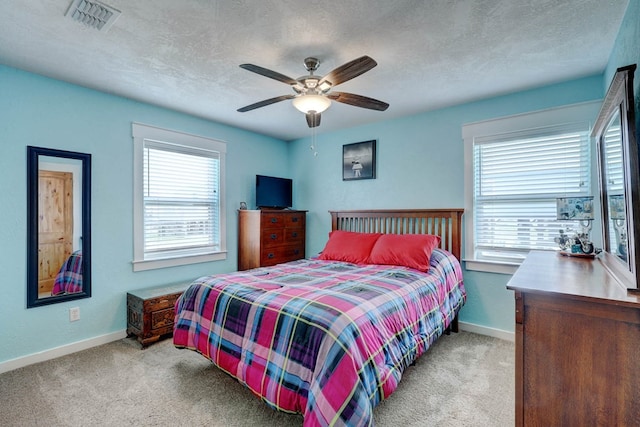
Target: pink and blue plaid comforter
69, 278
326, 339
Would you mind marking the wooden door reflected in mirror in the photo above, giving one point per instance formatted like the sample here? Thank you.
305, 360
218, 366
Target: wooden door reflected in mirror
59, 251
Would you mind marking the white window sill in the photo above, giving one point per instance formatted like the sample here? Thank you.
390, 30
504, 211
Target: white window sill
174, 262
491, 266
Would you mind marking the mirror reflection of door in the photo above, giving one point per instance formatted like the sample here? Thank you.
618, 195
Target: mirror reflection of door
55, 226
614, 187
59, 226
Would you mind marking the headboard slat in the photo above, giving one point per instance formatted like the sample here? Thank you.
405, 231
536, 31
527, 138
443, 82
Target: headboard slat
446, 223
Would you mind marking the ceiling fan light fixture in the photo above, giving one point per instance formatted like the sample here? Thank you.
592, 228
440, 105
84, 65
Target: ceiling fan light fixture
308, 103
324, 86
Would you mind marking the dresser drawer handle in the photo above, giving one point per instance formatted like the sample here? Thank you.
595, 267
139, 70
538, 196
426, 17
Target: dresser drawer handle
294, 219
274, 220
294, 234
270, 256
274, 236
296, 252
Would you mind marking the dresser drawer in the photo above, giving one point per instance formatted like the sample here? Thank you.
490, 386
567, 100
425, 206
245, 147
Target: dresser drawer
294, 235
282, 219
276, 237
272, 237
281, 254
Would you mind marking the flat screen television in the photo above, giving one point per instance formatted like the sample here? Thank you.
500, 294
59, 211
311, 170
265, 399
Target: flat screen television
273, 192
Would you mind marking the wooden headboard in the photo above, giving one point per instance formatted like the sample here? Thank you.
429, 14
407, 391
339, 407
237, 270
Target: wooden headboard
445, 223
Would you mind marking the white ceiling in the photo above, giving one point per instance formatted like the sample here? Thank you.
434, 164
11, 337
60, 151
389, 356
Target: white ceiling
184, 54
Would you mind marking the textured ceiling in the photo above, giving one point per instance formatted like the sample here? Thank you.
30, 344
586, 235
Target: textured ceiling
185, 54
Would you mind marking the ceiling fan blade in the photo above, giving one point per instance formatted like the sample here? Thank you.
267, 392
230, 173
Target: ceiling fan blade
271, 74
313, 119
358, 100
265, 103
349, 70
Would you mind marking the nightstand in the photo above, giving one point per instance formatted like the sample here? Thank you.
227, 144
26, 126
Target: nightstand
150, 312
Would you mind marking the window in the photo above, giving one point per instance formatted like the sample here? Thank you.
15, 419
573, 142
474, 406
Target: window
516, 168
178, 198
612, 158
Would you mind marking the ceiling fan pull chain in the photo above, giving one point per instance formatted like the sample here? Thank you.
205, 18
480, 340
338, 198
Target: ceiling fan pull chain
313, 142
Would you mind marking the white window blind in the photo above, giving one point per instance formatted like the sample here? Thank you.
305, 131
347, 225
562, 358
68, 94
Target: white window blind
612, 140
517, 178
613, 157
181, 205
178, 198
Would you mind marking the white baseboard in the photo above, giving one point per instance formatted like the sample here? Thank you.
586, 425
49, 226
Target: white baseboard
484, 330
56, 352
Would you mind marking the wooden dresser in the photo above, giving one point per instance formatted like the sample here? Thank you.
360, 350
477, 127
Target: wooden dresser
269, 237
577, 344
150, 312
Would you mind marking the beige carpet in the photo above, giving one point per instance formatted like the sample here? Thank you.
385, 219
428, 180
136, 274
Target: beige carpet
463, 380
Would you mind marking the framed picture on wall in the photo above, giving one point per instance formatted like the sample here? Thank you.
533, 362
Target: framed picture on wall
359, 160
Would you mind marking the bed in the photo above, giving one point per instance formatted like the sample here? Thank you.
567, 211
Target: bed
326, 337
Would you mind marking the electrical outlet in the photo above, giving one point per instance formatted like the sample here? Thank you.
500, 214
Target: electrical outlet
74, 314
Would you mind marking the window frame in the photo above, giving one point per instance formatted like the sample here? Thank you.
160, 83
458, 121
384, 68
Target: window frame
140, 133
516, 124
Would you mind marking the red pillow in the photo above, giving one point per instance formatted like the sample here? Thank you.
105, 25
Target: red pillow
408, 250
349, 246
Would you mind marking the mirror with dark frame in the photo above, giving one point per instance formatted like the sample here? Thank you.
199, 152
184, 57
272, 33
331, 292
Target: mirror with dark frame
615, 136
58, 226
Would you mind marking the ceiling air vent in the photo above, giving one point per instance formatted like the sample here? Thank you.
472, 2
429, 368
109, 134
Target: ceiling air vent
93, 14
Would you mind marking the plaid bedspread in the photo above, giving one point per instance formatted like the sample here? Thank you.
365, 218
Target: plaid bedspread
326, 339
69, 277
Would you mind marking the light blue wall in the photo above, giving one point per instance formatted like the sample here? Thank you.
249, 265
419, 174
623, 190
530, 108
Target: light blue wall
626, 52
420, 165
43, 112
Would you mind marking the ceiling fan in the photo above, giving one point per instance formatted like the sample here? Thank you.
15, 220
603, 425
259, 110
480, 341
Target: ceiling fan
313, 94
